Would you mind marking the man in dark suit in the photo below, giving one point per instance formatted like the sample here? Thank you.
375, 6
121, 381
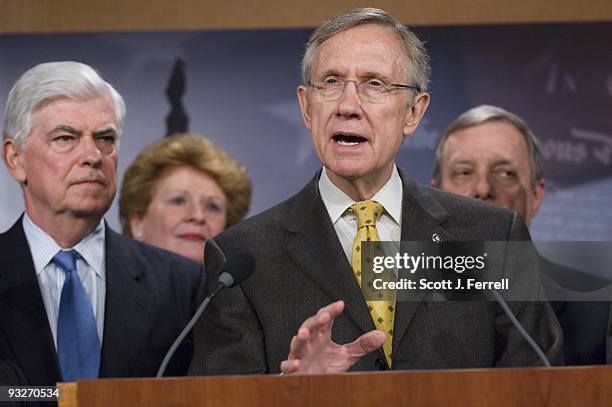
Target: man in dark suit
366, 77
490, 154
78, 300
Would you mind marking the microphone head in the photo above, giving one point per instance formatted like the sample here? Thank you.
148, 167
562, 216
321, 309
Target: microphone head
237, 269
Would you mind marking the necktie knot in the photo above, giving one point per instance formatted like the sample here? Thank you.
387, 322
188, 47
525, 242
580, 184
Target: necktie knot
66, 260
367, 212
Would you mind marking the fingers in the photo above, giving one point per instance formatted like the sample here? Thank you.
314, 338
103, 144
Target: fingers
334, 309
323, 316
319, 324
323, 321
299, 344
290, 366
366, 343
313, 351
330, 311
334, 361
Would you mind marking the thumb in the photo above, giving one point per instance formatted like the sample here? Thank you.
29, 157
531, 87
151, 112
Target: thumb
367, 343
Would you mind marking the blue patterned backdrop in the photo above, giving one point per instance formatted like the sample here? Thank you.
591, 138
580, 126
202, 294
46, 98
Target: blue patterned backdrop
240, 92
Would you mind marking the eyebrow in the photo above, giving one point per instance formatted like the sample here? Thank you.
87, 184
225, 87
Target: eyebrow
472, 163
364, 75
329, 72
108, 129
173, 190
461, 162
66, 128
505, 162
377, 75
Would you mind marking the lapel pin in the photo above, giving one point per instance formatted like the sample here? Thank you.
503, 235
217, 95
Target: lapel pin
436, 238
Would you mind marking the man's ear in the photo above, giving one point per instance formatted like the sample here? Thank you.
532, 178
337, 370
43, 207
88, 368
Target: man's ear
538, 196
14, 158
302, 94
416, 112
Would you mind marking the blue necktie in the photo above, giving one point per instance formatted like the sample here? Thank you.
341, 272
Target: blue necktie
78, 346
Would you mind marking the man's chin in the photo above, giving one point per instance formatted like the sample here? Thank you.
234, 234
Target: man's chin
348, 172
89, 211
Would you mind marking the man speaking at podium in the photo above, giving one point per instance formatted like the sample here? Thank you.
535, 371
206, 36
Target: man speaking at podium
78, 300
365, 90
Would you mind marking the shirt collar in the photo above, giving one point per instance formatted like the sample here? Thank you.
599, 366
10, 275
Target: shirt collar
44, 248
336, 201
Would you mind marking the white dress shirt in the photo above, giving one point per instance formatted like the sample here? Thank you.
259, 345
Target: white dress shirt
337, 202
90, 268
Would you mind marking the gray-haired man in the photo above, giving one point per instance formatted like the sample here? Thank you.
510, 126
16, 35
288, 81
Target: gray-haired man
490, 154
364, 92
78, 300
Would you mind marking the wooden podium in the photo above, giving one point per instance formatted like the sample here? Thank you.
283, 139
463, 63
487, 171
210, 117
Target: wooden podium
569, 386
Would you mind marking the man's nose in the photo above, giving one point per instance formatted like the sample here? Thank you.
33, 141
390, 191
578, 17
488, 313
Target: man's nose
91, 153
484, 188
349, 104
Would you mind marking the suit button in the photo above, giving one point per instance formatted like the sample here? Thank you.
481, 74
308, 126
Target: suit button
380, 364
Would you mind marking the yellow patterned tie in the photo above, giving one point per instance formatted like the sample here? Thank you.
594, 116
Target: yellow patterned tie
383, 311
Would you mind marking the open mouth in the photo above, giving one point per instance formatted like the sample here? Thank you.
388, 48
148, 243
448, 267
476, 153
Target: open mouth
349, 139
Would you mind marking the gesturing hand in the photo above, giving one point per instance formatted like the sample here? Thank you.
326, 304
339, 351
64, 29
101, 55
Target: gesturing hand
312, 350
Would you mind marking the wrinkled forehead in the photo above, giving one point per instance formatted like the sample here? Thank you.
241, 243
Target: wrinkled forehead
488, 143
361, 51
99, 108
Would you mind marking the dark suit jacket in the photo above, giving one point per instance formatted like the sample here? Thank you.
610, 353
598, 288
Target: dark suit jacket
150, 296
577, 299
301, 267
11, 375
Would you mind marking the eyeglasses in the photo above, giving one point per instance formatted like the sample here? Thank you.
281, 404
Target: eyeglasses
369, 90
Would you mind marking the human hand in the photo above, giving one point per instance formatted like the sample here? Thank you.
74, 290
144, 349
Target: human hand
312, 350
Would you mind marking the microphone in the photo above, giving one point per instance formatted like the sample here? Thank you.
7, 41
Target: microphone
520, 328
463, 248
233, 272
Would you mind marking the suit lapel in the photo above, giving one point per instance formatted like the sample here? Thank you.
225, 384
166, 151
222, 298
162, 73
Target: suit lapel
421, 219
23, 318
318, 253
127, 319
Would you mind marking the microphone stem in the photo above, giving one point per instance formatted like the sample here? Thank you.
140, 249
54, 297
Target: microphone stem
520, 328
220, 286
181, 337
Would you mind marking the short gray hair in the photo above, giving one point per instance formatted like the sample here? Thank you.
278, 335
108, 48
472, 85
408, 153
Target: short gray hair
485, 114
50, 81
417, 64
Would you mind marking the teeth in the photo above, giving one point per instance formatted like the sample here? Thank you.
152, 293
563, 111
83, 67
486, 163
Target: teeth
347, 143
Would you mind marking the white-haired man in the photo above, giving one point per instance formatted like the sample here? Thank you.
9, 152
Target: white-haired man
78, 300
